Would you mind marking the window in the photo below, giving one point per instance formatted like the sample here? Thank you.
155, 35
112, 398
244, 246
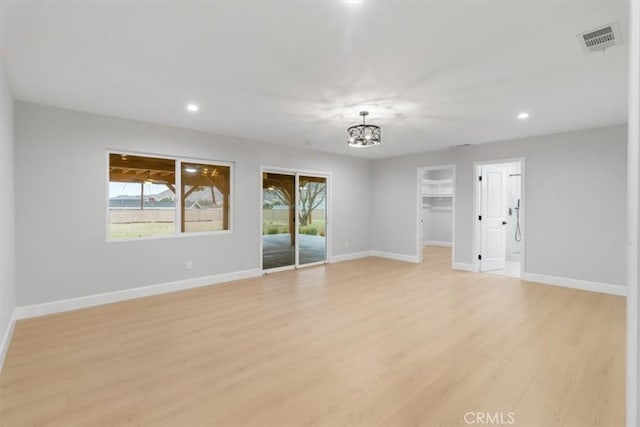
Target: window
146, 199
142, 196
205, 197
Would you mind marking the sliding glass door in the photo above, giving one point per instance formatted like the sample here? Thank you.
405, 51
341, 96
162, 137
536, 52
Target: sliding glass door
294, 220
278, 220
312, 216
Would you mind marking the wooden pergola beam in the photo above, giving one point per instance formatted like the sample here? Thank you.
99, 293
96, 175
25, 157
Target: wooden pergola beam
120, 175
141, 163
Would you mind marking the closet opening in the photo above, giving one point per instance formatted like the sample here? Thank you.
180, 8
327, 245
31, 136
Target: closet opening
436, 224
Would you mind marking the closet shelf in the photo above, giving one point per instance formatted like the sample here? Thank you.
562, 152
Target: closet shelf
437, 187
428, 181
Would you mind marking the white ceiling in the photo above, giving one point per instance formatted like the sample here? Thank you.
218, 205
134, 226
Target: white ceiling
433, 73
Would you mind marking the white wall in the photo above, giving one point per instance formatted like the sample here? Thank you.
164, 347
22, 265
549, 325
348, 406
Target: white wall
575, 187
438, 220
61, 165
7, 224
514, 248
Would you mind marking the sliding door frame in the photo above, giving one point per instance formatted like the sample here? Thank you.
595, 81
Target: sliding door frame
328, 224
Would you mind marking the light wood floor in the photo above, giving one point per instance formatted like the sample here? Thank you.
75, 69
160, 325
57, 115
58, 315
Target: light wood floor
362, 343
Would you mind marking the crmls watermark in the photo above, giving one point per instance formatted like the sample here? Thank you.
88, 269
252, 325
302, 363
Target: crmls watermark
490, 418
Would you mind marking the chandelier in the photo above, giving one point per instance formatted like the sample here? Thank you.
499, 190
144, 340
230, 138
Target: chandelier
363, 135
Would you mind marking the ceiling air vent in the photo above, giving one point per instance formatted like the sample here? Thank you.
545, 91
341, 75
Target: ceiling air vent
601, 38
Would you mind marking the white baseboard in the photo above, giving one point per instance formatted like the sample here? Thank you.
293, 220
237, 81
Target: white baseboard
436, 243
584, 285
128, 294
397, 257
463, 266
6, 339
351, 256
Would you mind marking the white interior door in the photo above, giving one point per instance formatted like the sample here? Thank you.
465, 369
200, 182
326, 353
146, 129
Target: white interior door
493, 204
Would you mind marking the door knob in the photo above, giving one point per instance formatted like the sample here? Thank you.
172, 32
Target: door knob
504, 222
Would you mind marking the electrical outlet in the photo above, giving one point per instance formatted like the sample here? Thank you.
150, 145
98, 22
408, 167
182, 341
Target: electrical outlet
346, 245
188, 265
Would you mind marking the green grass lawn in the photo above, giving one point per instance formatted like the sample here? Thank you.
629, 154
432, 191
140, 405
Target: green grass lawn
157, 229
281, 227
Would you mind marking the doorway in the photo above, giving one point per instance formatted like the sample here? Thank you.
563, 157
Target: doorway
436, 218
499, 222
294, 211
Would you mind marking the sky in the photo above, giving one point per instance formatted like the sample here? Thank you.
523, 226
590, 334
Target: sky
130, 189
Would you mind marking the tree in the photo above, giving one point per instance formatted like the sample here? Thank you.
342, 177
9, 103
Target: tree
282, 196
312, 195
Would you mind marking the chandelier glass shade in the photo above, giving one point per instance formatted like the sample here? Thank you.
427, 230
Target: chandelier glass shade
364, 135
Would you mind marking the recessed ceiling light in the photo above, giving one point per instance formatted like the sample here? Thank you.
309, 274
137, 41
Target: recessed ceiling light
193, 108
190, 170
523, 116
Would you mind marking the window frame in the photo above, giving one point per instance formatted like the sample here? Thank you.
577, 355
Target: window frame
178, 183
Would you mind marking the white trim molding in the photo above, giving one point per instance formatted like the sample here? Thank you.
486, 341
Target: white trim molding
397, 257
584, 285
350, 257
633, 213
437, 243
128, 294
6, 339
464, 266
